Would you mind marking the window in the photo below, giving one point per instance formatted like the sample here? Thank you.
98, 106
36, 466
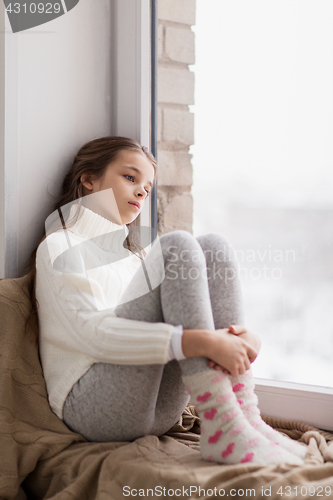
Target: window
263, 156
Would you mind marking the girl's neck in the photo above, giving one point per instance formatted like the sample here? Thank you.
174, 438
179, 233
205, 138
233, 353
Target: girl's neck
90, 225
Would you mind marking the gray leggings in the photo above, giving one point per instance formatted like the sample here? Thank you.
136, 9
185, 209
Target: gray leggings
200, 290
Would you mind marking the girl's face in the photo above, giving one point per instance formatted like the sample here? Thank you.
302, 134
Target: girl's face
131, 177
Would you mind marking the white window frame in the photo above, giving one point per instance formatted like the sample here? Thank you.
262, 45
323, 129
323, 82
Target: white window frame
132, 80
2, 144
132, 69
310, 404
9, 149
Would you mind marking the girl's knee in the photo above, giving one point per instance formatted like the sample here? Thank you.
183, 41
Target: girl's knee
214, 240
217, 248
180, 238
178, 235
182, 246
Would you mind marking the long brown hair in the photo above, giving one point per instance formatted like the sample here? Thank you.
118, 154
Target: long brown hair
93, 158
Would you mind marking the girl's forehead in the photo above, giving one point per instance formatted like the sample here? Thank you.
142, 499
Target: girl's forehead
134, 155
135, 159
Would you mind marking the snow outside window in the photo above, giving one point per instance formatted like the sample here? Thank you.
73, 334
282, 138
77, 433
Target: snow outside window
263, 157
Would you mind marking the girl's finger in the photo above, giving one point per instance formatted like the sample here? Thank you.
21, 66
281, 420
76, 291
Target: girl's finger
216, 366
237, 329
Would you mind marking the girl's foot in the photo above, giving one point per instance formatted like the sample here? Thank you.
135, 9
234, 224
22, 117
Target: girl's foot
226, 435
243, 388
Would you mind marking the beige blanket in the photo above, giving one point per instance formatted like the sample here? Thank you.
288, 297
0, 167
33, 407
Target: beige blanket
41, 458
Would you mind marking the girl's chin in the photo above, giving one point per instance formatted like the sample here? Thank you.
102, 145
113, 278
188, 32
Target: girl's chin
128, 220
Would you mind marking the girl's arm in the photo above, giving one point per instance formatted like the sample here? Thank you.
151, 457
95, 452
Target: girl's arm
229, 351
71, 323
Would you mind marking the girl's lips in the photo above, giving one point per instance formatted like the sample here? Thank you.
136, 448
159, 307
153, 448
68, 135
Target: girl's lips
134, 205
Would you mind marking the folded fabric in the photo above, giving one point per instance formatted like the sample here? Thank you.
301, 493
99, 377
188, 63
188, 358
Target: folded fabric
42, 458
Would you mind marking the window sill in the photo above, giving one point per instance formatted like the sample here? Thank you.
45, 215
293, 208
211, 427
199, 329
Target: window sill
309, 404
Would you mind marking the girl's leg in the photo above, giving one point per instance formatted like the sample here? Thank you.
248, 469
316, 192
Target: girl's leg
224, 285
243, 387
114, 402
184, 299
123, 402
225, 293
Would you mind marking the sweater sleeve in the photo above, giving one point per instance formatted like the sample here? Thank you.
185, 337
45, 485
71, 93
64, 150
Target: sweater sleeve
175, 348
97, 333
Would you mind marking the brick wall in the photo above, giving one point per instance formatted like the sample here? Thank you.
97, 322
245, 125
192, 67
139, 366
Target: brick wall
175, 121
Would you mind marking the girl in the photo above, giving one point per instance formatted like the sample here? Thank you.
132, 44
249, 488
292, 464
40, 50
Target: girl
124, 350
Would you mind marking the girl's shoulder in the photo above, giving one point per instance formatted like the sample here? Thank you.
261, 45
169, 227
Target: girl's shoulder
55, 244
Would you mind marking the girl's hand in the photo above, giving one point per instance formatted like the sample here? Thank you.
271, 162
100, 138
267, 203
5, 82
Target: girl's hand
250, 338
226, 349
236, 330
217, 367
231, 352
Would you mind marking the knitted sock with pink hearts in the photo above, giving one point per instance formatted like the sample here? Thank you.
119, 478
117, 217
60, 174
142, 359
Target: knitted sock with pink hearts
243, 388
226, 435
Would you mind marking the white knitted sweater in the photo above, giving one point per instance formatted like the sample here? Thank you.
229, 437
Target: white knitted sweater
77, 323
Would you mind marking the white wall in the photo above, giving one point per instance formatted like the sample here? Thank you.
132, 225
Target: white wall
57, 97
82, 76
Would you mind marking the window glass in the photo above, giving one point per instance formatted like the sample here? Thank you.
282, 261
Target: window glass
263, 170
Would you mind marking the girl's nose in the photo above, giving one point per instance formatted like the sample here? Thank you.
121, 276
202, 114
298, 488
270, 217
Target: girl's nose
140, 191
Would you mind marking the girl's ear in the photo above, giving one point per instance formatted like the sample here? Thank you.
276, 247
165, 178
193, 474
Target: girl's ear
86, 181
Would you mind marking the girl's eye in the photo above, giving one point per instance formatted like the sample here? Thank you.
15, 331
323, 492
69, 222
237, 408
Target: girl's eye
132, 180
